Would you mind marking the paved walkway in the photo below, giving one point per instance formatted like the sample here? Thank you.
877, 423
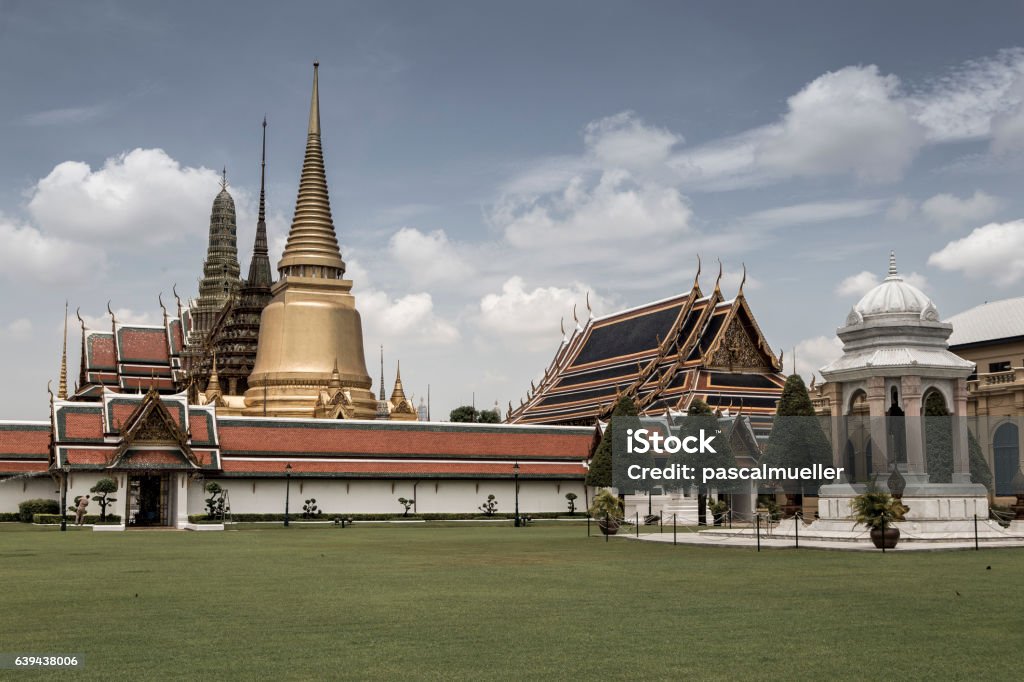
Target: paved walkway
750, 542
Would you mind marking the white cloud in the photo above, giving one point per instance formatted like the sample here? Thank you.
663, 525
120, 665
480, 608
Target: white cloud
65, 116
408, 320
17, 330
950, 212
846, 120
531, 317
963, 104
428, 257
142, 196
28, 253
900, 209
812, 212
994, 252
624, 141
814, 353
615, 208
864, 281
1008, 126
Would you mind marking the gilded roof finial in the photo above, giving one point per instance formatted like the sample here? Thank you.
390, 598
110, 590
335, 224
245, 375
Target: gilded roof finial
62, 387
174, 290
696, 278
49, 389
113, 319
574, 318
590, 311
743, 281
213, 390
335, 382
81, 359
718, 281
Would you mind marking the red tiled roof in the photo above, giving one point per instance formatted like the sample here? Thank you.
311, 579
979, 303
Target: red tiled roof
392, 468
154, 458
83, 456
197, 424
27, 442
23, 466
83, 425
142, 345
235, 438
101, 347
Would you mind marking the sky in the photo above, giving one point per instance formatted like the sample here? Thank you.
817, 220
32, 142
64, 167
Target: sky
490, 164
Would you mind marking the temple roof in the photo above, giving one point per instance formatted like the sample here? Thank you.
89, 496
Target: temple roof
24, 447
664, 354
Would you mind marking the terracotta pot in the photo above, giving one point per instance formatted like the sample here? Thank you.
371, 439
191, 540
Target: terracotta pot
609, 526
892, 536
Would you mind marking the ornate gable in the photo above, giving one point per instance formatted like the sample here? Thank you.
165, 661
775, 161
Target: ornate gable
740, 345
149, 427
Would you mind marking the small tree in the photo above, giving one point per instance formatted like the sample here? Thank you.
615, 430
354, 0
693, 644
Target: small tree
490, 506
797, 439
407, 504
101, 490
572, 502
215, 503
465, 413
309, 509
600, 475
489, 417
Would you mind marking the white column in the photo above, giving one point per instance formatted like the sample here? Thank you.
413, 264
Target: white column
180, 483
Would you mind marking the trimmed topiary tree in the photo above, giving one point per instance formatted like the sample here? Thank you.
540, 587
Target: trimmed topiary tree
797, 439
939, 446
600, 473
572, 502
100, 491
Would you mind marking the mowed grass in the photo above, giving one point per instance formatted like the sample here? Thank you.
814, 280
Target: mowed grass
498, 603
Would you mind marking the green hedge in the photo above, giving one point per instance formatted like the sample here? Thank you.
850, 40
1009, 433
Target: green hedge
9, 516
201, 518
50, 519
29, 508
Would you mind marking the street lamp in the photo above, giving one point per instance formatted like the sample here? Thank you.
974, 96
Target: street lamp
64, 497
515, 476
287, 490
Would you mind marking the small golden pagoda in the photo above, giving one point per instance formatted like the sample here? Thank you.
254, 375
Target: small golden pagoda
311, 335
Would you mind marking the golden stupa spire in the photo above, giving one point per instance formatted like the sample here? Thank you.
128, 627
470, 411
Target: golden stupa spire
398, 393
213, 389
312, 248
62, 387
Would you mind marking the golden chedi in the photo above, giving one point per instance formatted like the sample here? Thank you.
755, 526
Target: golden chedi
311, 335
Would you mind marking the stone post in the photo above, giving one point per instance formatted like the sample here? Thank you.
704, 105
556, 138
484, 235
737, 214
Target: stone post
913, 422
961, 460
879, 439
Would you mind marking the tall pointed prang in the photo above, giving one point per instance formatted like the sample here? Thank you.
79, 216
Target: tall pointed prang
312, 248
62, 387
259, 267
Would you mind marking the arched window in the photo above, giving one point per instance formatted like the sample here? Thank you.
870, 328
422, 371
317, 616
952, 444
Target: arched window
1006, 456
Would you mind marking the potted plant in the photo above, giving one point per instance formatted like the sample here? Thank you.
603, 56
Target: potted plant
878, 510
607, 509
718, 509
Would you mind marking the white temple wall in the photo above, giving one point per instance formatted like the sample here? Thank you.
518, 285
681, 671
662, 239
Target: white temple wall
380, 496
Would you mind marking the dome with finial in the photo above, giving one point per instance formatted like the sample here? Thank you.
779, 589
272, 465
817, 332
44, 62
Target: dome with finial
894, 296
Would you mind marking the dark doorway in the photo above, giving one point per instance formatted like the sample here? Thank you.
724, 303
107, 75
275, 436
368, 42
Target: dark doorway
148, 496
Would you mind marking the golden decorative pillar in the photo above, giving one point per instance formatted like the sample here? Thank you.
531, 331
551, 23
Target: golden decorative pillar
312, 321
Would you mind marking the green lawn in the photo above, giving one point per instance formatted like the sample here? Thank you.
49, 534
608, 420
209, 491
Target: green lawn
498, 603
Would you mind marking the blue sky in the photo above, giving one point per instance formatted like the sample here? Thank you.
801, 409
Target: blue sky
491, 163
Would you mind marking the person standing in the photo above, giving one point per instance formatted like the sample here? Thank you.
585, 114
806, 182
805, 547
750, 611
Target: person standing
83, 505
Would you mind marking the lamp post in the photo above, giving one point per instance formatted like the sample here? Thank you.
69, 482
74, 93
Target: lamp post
64, 497
515, 476
287, 490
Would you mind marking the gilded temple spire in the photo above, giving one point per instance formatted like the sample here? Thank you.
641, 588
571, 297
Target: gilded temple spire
259, 267
312, 247
62, 387
398, 392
